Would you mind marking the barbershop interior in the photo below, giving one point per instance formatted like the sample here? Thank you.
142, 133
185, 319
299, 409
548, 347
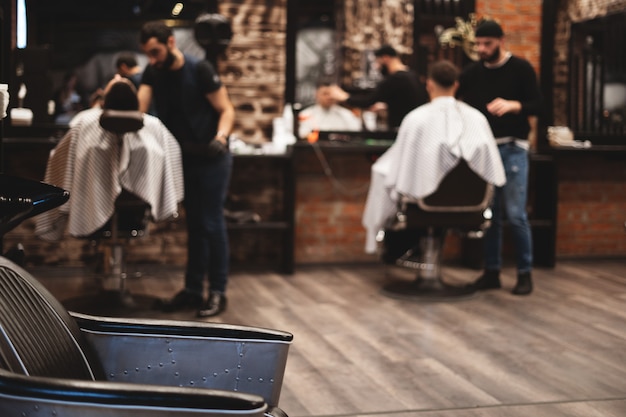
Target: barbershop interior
372, 264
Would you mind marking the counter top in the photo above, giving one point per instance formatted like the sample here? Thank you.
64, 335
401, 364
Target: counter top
360, 146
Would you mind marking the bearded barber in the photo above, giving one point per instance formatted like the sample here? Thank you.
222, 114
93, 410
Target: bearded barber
504, 88
194, 105
401, 90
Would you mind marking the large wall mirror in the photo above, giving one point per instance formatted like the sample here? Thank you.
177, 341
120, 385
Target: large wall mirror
335, 40
597, 84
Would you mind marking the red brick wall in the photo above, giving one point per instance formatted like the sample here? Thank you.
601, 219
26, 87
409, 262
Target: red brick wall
592, 206
328, 212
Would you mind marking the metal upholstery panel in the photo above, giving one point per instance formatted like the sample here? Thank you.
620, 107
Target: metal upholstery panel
243, 359
178, 328
25, 396
37, 336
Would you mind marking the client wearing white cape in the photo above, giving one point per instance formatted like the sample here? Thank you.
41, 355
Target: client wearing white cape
94, 166
430, 142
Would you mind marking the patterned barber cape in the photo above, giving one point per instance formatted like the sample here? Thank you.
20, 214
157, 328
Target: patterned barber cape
94, 165
431, 141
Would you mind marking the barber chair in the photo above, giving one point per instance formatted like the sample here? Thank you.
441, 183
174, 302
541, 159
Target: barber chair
130, 220
460, 204
55, 362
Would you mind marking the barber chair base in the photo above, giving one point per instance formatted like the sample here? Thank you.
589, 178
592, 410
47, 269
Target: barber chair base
112, 297
428, 285
426, 289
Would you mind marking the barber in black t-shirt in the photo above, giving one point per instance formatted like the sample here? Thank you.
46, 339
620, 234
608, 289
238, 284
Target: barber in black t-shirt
194, 105
400, 90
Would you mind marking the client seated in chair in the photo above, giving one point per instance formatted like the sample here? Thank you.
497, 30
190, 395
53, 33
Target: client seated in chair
122, 168
432, 141
95, 164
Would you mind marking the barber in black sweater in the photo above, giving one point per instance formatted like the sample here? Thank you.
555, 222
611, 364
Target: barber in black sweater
504, 88
401, 90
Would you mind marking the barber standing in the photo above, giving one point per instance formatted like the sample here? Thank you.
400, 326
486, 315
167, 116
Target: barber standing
194, 105
504, 88
401, 90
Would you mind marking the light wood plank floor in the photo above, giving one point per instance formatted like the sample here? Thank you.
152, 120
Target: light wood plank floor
558, 352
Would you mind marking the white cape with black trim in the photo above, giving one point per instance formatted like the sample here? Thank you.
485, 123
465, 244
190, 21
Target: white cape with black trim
94, 165
430, 142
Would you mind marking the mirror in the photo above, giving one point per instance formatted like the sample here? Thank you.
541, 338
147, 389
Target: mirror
597, 102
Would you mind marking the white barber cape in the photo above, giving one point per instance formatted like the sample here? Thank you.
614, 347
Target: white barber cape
430, 142
94, 166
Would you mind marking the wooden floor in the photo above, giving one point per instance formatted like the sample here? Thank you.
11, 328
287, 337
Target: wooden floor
559, 352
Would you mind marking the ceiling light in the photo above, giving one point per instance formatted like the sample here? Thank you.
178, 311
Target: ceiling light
178, 7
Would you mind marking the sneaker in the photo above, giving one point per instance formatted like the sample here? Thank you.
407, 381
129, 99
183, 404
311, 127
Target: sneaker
183, 300
215, 304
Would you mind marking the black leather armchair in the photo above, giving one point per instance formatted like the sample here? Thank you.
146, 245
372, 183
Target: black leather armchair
460, 204
56, 362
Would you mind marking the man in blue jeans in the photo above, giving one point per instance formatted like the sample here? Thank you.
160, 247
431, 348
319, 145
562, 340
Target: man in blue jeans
194, 105
504, 88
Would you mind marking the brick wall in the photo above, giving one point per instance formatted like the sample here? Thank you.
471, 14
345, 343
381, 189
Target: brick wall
329, 209
592, 205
